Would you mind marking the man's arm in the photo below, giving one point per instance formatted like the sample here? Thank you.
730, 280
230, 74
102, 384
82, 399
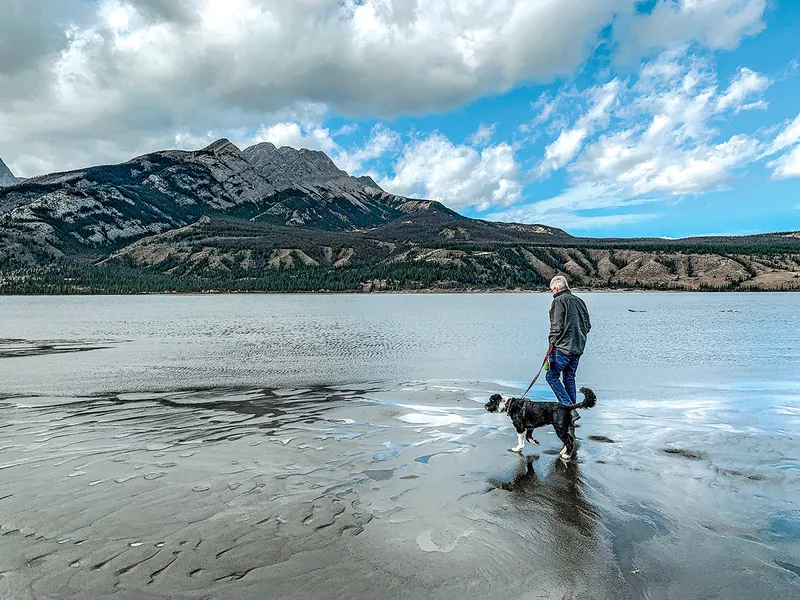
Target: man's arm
586, 316
557, 314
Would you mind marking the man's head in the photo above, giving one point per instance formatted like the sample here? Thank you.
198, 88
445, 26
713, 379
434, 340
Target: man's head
558, 284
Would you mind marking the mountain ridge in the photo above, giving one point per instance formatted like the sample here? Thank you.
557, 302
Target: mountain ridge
89, 209
283, 219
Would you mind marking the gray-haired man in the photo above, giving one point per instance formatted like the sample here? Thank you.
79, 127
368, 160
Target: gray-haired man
569, 326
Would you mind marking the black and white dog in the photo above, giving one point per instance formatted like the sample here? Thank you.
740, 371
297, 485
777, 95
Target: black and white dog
527, 415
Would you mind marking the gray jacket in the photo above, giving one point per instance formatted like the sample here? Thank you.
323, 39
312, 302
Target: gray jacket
569, 323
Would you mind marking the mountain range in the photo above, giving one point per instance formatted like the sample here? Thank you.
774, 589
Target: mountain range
281, 219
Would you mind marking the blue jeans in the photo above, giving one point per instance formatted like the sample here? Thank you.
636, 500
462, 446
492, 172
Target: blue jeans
568, 365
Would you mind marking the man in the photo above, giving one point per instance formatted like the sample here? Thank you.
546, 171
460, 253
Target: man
569, 325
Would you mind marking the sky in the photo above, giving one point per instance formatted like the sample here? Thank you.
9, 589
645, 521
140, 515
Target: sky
607, 118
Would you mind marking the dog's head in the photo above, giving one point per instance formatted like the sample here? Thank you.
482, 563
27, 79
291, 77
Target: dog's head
495, 404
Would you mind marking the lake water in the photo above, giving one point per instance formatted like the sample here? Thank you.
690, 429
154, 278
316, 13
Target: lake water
335, 446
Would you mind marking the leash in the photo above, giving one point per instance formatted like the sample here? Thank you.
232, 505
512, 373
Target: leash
544, 362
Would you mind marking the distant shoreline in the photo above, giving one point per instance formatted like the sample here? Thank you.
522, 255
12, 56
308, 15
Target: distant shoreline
431, 292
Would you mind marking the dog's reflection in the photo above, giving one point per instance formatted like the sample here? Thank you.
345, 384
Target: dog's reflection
525, 478
559, 489
549, 510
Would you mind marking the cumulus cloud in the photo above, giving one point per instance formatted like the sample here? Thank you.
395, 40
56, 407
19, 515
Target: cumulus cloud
673, 171
564, 149
114, 77
87, 82
296, 136
381, 140
460, 176
717, 24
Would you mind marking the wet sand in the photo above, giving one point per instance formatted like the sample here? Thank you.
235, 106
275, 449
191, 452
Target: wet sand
403, 491
222, 448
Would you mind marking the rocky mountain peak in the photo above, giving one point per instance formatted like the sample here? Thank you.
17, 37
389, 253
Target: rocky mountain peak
6, 176
369, 182
287, 167
316, 157
222, 146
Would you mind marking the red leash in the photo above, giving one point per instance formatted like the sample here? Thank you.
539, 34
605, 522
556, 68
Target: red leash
544, 362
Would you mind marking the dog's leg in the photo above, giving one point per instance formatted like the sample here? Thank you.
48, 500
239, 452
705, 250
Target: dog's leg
562, 431
520, 443
529, 437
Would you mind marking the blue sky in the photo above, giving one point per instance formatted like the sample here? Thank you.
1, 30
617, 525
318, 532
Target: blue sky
746, 198
610, 118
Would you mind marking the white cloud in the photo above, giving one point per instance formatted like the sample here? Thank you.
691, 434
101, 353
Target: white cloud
296, 136
347, 129
787, 165
545, 108
653, 138
314, 136
483, 135
569, 142
469, 175
757, 105
460, 176
663, 141
691, 171
563, 150
786, 138
381, 140
787, 144
717, 24
86, 82
569, 209
745, 83
571, 221
109, 78
641, 164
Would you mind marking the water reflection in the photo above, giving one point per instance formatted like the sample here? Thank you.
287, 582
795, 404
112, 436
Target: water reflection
561, 487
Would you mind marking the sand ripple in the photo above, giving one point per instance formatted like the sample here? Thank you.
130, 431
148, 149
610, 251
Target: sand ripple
333, 492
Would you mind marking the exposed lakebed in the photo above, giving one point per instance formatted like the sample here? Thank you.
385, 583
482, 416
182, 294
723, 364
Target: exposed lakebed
321, 447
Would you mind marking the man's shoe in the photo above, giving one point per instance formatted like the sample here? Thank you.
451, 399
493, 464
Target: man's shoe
575, 416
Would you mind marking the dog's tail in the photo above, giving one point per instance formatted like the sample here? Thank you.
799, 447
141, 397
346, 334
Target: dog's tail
589, 399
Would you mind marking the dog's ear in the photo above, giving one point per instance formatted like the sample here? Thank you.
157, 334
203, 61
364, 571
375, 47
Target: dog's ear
496, 397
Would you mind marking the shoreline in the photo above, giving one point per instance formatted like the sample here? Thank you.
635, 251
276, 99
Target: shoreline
421, 292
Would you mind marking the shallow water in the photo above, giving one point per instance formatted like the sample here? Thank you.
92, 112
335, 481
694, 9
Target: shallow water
336, 447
